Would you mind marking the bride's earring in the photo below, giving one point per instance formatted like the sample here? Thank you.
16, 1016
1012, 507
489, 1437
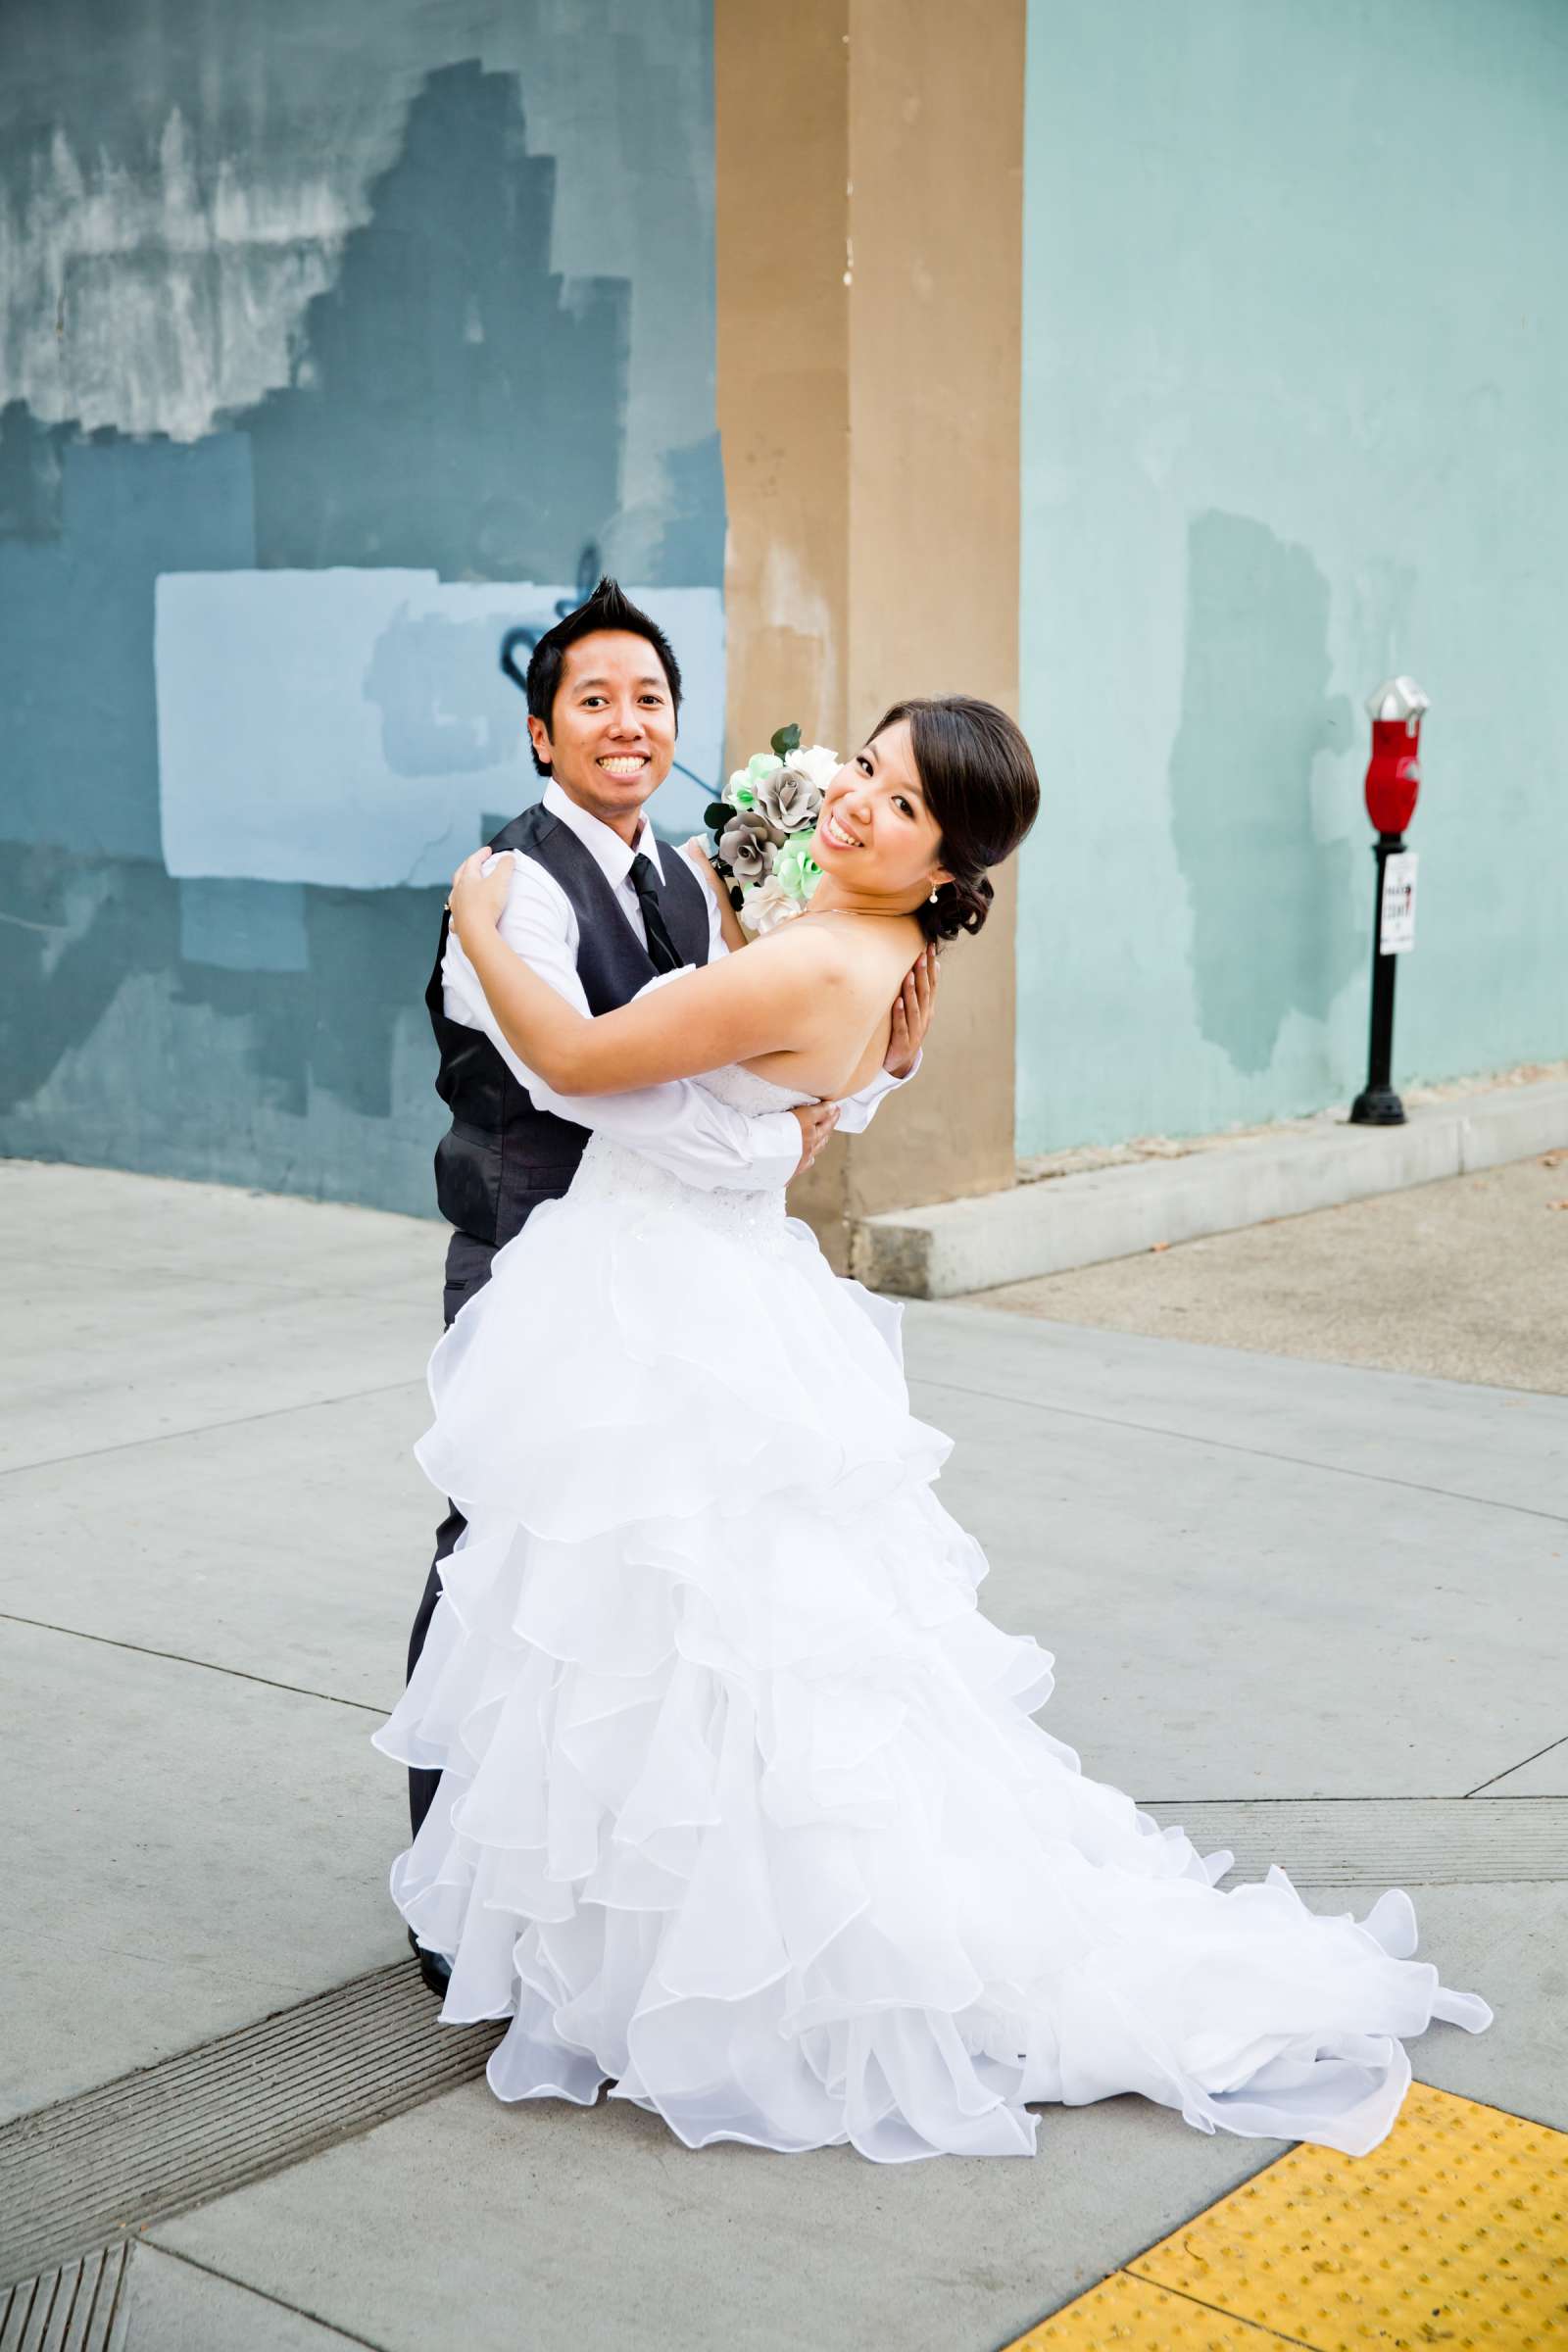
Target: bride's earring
933, 897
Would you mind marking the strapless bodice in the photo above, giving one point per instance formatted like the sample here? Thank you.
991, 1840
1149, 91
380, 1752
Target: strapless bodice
613, 1171
748, 1091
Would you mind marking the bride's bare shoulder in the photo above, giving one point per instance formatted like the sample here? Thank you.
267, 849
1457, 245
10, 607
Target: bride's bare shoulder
816, 948
853, 966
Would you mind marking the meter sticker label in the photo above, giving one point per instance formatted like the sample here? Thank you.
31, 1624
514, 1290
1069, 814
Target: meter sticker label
1396, 927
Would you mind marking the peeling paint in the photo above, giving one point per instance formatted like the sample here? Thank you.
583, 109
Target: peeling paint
153, 304
284, 119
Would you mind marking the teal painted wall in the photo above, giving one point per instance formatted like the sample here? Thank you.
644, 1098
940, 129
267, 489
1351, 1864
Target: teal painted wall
1295, 397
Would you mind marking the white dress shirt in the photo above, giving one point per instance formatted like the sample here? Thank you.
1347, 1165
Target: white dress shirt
679, 1126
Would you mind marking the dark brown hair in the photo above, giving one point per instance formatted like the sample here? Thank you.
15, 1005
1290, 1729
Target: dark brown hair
978, 777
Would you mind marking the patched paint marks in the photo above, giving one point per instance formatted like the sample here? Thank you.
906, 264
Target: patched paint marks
1285, 317
288, 754
402, 439
79, 764
29, 475
388, 293
116, 1051
1273, 926
446, 709
243, 927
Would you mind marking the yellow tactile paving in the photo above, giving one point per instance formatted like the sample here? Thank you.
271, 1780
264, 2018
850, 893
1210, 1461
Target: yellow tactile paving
1452, 2234
1123, 2311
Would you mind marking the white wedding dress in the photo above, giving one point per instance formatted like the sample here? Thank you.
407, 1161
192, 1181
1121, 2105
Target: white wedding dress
742, 1806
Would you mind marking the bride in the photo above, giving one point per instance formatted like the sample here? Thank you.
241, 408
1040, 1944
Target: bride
742, 1806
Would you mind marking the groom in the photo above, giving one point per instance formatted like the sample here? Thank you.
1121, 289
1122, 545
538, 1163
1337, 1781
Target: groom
597, 907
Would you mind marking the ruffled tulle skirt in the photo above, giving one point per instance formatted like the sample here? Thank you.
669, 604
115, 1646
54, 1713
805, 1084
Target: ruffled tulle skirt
743, 1808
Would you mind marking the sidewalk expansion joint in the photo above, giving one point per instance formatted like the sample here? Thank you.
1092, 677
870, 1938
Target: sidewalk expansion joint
95, 2169
261, 2294
1257, 1453
177, 1657
1519, 1767
205, 1429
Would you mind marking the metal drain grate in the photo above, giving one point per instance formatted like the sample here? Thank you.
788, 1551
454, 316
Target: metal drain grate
79, 2175
1381, 1841
73, 2309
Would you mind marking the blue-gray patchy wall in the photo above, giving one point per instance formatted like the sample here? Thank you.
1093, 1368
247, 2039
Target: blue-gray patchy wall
334, 340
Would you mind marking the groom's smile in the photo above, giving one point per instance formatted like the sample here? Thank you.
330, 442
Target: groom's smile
611, 732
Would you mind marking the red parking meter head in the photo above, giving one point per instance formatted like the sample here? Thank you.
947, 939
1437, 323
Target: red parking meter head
1394, 771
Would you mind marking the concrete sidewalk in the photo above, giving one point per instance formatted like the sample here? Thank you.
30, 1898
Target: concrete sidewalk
1318, 1610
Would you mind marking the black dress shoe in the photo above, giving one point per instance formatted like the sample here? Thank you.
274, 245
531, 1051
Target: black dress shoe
436, 1972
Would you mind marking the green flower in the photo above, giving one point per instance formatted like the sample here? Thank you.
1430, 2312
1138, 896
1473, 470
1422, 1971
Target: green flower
796, 869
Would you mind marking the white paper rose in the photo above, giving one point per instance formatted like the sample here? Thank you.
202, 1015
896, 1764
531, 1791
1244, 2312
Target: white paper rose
817, 763
763, 909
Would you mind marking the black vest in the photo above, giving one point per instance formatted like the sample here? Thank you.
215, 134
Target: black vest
503, 1155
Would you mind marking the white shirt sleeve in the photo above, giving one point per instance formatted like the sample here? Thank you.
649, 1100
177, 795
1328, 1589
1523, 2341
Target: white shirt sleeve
679, 1126
857, 1111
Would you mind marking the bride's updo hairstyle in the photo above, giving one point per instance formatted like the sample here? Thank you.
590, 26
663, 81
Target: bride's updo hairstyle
978, 777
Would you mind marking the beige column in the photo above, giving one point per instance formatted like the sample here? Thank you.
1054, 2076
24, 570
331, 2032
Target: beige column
870, 193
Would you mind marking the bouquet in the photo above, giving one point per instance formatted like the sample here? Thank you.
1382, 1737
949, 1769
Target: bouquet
765, 829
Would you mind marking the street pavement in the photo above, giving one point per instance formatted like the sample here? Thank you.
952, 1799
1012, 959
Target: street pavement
1268, 1582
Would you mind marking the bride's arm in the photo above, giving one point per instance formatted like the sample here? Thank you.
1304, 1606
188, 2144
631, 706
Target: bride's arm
718, 889
726, 1011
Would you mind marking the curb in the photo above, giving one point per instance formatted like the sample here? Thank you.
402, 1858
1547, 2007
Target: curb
1066, 1221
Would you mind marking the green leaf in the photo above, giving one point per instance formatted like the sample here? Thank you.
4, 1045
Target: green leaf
717, 814
787, 739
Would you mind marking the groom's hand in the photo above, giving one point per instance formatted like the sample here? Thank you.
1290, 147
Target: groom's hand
911, 1016
816, 1121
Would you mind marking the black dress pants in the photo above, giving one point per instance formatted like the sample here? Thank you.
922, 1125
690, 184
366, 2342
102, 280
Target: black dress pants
467, 1271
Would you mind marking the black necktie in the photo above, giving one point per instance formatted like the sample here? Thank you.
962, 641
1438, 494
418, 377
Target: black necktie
660, 947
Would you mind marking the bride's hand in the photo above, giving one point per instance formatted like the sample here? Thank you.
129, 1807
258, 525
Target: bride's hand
478, 898
913, 1008
700, 857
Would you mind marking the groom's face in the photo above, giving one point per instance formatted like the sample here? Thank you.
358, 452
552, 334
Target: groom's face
612, 734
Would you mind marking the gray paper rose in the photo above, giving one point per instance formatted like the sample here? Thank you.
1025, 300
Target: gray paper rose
788, 799
746, 846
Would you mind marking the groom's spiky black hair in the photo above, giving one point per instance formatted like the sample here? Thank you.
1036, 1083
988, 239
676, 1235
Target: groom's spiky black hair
609, 608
